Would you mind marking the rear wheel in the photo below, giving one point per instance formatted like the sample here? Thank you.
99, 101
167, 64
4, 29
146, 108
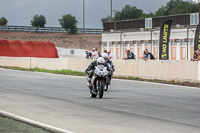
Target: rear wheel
101, 89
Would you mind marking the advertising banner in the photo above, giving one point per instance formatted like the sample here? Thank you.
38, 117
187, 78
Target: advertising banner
197, 38
164, 40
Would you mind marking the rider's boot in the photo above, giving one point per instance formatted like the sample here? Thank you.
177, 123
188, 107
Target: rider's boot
89, 84
92, 90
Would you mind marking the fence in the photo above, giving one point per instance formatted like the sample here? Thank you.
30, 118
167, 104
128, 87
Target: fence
48, 29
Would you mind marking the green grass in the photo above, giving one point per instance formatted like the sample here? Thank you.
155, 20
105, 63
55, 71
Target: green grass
8, 125
64, 72
76, 73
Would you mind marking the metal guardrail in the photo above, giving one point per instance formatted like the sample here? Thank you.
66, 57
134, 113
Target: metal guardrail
48, 29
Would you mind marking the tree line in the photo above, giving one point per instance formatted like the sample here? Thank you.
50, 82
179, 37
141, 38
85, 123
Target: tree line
171, 8
68, 22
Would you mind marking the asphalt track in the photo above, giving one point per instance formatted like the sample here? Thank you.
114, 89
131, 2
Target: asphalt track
128, 107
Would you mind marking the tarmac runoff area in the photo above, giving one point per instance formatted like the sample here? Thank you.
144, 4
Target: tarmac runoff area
128, 107
10, 123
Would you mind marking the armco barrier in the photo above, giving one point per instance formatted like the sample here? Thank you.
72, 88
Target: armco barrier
28, 49
165, 70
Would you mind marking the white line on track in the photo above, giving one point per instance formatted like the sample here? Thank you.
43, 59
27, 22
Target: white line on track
186, 87
34, 123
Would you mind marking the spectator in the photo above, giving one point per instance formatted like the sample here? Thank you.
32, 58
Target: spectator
110, 55
130, 55
99, 54
198, 53
94, 54
196, 56
88, 54
149, 56
144, 55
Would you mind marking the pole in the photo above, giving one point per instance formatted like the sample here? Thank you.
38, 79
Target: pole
111, 8
121, 45
187, 40
83, 16
151, 41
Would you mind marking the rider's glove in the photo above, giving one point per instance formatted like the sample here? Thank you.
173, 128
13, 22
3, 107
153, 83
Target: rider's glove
89, 72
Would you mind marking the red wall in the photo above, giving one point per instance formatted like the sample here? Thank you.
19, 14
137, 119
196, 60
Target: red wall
28, 49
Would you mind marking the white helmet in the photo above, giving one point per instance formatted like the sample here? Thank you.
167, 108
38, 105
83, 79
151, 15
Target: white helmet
100, 61
105, 56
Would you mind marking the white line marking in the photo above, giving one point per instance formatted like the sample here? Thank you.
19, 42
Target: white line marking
34, 123
188, 87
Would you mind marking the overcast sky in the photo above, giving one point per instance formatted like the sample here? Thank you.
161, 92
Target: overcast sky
21, 12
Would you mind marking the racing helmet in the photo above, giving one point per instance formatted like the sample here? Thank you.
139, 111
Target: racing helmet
105, 56
100, 61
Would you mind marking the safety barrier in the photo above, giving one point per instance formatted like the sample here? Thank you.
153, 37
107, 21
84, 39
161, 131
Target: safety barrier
165, 70
28, 49
48, 29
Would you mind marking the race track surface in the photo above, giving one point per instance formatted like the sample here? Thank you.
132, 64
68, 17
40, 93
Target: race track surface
127, 107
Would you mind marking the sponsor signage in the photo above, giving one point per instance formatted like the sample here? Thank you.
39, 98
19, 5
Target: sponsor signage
164, 40
197, 38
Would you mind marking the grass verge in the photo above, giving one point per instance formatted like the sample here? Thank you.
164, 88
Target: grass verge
64, 72
8, 125
76, 73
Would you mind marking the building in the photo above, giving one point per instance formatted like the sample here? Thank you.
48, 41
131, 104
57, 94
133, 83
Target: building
138, 35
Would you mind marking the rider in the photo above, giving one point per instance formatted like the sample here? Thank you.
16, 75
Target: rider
112, 68
90, 71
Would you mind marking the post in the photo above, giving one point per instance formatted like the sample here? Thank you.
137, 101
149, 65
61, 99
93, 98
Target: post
151, 42
121, 45
83, 16
111, 9
187, 40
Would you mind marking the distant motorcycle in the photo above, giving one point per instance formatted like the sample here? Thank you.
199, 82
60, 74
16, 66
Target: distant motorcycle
99, 80
108, 77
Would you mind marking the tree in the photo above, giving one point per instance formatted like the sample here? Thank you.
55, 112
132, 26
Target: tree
3, 21
38, 21
144, 15
177, 7
161, 11
172, 7
69, 23
107, 19
128, 12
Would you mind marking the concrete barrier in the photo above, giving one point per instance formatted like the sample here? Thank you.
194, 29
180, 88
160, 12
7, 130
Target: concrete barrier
50, 64
24, 62
165, 70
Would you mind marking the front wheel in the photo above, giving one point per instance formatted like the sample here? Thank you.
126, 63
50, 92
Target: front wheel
101, 89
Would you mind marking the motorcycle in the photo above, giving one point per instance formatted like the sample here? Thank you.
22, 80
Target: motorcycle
99, 80
108, 77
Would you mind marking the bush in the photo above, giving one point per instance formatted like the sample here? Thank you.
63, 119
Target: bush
3, 21
38, 21
69, 22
